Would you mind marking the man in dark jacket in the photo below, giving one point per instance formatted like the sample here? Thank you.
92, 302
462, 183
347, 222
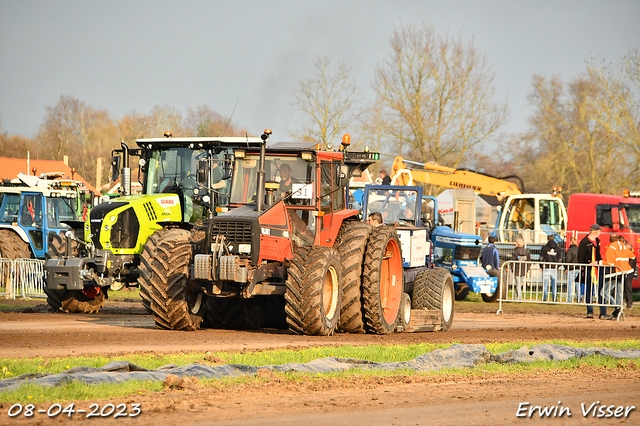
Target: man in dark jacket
549, 254
490, 258
589, 253
571, 256
520, 254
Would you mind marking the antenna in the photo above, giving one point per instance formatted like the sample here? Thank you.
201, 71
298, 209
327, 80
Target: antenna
229, 121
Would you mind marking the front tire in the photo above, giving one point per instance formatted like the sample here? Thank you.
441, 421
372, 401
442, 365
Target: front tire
314, 293
433, 290
382, 285
177, 302
351, 243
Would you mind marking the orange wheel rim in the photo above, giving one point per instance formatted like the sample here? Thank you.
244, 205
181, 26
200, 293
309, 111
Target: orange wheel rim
330, 293
391, 281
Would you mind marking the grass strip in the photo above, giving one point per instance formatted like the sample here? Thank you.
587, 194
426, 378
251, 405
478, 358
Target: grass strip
10, 367
75, 391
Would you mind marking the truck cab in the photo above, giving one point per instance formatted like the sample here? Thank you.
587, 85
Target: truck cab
618, 214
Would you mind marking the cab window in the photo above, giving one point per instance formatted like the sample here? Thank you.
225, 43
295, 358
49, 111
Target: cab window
11, 207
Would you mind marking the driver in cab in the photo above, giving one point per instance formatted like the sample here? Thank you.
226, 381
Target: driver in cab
286, 180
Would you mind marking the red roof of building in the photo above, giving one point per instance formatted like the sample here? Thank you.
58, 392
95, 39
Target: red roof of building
10, 167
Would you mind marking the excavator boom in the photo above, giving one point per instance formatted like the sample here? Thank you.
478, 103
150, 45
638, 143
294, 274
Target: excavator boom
435, 174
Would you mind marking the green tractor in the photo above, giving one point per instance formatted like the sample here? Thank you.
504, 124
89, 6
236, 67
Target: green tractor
117, 249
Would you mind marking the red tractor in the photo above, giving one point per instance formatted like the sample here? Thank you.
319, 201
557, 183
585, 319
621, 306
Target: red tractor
289, 248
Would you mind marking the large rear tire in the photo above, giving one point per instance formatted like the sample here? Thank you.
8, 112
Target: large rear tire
462, 292
382, 285
433, 290
177, 302
351, 243
12, 246
87, 301
491, 298
314, 293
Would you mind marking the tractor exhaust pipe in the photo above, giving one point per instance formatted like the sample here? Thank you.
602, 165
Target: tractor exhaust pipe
260, 190
126, 170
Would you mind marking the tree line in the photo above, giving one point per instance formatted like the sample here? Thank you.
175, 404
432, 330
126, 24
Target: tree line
434, 101
85, 134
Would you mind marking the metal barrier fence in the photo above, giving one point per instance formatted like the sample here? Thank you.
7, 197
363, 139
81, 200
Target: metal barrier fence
22, 278
562, 283
6, 274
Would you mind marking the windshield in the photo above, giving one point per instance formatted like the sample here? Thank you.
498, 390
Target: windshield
173, 168
633, 214
291, 177
59, 210
395, 206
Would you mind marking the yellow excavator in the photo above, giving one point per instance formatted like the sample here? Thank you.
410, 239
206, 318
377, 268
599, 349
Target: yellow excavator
522, 215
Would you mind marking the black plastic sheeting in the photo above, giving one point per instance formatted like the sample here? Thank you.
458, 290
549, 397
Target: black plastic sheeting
456, 356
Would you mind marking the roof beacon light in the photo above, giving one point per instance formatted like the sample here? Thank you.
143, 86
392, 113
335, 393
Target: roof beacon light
168, 134
626, 193
346, 141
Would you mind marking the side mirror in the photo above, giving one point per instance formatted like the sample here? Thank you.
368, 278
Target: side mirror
343, 175
202, 172
116, 160
228, 166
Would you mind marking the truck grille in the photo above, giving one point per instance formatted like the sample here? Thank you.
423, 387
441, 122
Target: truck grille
234, 232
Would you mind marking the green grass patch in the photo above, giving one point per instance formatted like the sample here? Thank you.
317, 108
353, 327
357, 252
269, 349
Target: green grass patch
78, 392
11, 367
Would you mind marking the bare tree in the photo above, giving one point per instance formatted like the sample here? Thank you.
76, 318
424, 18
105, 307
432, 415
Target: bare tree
83, 133
203, 121
325, 105
436, 93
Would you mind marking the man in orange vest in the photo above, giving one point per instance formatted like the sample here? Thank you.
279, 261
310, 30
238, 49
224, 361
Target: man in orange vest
617, 254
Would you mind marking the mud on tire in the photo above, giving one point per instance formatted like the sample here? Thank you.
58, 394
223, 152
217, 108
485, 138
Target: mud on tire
314, 294
351, 243
176, 301
433, 290
382, 285
71, 301
12, 247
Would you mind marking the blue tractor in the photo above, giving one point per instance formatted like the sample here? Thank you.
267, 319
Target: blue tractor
440, 265
34, 212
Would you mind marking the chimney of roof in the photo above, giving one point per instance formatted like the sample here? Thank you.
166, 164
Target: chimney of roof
65, 160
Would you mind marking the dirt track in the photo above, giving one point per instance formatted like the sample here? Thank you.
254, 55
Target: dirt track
490, 399
55, 335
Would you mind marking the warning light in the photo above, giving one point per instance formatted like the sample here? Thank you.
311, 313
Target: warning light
626, 193
34, 170
168, 134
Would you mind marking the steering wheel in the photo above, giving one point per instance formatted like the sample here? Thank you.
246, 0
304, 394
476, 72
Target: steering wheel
188, 183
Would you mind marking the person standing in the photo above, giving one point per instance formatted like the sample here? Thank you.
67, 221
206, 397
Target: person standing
386, 179
520, 254
571, 256
589, 254
616, 255
549, 254
490, 258
628, 279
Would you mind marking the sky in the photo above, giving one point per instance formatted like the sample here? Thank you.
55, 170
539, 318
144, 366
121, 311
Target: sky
126, 56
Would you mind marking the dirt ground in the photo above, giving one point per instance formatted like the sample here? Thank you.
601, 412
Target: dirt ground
489, 399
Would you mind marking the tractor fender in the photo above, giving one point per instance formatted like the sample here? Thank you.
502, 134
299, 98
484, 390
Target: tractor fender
21, 232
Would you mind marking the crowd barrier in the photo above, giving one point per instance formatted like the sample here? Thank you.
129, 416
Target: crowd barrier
22, 278
562, 283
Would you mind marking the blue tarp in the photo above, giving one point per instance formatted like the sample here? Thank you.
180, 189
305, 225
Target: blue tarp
456, 356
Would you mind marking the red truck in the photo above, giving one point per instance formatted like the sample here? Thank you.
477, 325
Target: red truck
614, 213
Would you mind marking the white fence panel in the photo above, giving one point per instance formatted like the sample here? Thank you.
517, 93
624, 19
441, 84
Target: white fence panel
562, 283
22, 278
